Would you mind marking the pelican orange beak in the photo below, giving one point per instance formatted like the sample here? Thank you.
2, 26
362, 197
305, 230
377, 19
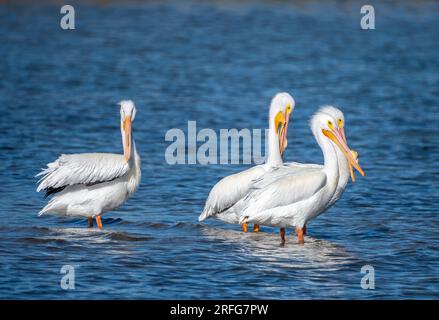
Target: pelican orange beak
126, 127
281, 125
354, 153
283, 143
340, 140
351, 170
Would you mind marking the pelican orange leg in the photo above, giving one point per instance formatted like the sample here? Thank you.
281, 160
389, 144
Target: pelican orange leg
300, 233
90, 222
99, 221
245, 227
256, 228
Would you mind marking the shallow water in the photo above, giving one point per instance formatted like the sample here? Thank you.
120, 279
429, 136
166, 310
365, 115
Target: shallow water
220, 64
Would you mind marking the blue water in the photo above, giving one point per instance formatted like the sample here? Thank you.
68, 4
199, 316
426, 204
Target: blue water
220, 64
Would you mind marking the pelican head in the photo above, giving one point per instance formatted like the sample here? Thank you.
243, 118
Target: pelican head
327, 124
338, 115
127, 115
281, 107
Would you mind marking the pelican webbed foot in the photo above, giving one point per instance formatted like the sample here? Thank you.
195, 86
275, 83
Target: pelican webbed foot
256, 228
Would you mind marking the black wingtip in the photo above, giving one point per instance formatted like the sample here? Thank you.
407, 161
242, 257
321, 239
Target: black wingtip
50, 191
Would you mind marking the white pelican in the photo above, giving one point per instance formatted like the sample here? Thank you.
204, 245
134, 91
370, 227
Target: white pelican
291, 196
344, 167
90, 184
223, 200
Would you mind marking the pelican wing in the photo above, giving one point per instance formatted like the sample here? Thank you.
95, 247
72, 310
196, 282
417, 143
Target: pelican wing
276, 189
229, 190
84, 168
276, 173
298, 165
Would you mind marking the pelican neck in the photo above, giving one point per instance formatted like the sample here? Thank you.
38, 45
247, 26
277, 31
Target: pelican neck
329, 156
274, 158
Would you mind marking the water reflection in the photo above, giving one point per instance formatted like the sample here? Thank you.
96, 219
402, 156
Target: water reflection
266, 247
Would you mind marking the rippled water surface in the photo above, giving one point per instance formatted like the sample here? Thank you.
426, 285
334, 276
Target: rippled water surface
220, 64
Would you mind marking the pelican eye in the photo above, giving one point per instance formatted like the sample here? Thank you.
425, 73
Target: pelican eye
330, 125
288, 107
340, 123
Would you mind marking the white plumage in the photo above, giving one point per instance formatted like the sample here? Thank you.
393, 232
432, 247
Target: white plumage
222, 199
90, 184
294, 194
85, 168
223, 202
